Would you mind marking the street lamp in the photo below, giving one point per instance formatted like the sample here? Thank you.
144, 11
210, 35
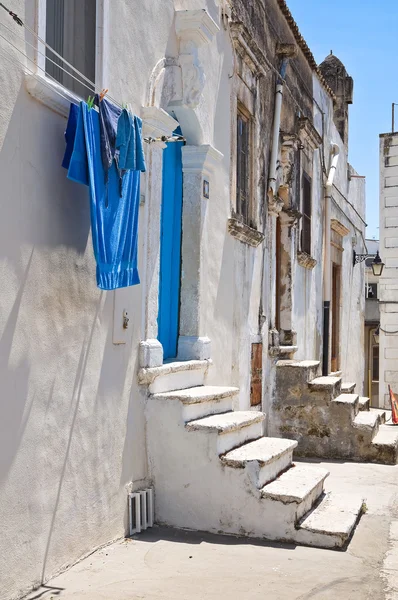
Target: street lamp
376, 335
377, 264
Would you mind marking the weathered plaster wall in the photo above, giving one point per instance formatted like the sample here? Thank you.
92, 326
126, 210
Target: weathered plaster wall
347, 207
388, 288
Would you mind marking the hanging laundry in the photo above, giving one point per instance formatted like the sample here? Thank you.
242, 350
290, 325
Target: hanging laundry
114, 217
128, 142
70, 134
108, 116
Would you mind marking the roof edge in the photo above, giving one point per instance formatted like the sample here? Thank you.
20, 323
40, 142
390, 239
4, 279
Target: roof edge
303, 45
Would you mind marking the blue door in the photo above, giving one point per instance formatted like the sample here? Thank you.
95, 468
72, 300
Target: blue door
170, 249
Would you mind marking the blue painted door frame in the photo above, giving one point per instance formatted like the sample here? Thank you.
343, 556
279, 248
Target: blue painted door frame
170, 249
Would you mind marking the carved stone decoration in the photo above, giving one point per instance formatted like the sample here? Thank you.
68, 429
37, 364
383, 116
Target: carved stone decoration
289, 147
275, 205
244, 233
194, 28
305, 260
308, 134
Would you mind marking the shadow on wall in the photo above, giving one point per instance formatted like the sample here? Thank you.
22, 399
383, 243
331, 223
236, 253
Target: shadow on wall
39, 205
65, 399
39, 208
13, 415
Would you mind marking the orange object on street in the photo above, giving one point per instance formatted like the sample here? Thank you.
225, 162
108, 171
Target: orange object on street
394, 406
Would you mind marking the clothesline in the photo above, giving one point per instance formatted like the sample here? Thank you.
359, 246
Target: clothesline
90, 85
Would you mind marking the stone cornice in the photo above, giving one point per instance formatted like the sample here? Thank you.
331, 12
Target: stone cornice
200, 159
156, 122
195, 26
244, 233
308, 133
339, 227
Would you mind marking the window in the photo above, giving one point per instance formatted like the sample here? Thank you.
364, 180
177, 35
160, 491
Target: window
243, 166
70, 30
306, 210
371, 291
375, 363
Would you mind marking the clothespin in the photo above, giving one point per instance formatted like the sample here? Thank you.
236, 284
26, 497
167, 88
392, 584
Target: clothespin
90, 102
103, 94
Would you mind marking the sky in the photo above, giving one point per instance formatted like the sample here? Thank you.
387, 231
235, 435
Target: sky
363, 34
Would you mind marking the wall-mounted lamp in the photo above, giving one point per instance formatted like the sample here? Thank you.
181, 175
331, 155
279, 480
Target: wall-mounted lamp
377, 264
376, 335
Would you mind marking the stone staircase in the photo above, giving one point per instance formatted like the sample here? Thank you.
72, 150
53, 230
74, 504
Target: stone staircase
213, 470
327, 418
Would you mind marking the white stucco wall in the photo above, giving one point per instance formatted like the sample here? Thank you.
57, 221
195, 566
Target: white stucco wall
72, 422
72, 426
388, 288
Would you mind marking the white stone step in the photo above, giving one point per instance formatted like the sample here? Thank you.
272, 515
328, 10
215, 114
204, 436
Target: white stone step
301, 485
298, 371
348, 401
201, 401
233, 428
364, 403
348, 407
325, 383
174, 375
381, 413
348, 388
367, 420
268, 457
331, 523
385, 444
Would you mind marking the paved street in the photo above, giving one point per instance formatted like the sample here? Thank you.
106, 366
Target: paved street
163, 564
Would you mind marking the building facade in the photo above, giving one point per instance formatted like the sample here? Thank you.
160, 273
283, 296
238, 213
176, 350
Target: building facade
235, 247
388, 294
372, 325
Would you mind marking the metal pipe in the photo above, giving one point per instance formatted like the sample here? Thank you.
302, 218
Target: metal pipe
276, 127
327, 279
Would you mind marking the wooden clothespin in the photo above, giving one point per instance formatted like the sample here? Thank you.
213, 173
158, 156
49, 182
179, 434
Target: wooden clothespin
103, 94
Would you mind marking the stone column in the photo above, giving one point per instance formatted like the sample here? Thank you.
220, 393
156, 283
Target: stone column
156, 123
289, 218
198, 164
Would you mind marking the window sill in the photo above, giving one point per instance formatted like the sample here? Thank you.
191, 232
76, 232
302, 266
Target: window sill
49, 93
244, 233
305, 260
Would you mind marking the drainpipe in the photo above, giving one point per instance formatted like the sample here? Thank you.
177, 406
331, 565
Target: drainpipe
327, 279
287, 51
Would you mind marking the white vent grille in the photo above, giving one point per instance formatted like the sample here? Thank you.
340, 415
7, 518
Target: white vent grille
141, 510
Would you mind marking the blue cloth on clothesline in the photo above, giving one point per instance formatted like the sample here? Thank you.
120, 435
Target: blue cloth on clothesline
129, 143
114, 217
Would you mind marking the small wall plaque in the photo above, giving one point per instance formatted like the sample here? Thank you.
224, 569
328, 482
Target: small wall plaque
206, 189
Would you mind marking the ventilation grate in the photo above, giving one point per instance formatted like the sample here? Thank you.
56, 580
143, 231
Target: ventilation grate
141, 510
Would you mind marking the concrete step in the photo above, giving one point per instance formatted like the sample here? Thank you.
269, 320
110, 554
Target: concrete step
297, 371
266, 458
367, 420
348, 388
201, 401
348, 402
233, 428
174, 375
385, 444
381, 413
364, 403
301, 484
330, 384
336, 374
331, 523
